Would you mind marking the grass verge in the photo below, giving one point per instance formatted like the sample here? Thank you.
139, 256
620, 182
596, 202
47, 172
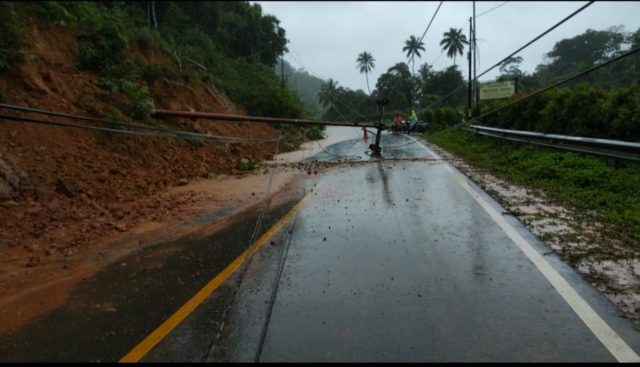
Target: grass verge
595, 189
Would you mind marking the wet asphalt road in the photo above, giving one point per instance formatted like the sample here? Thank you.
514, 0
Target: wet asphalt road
395, 261
389, 261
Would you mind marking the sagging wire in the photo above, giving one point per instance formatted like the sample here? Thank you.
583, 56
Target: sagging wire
178, 134
513, 53
557, 84
413, 55
254, 236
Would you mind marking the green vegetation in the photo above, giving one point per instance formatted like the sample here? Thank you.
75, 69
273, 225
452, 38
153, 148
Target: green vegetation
11, 36
615, 115
230, 44
366, 63
586, 183
584, 111
247, 166
441, 118
453, 42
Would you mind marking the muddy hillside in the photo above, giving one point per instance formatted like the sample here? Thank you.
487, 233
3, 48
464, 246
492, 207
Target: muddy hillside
61, 188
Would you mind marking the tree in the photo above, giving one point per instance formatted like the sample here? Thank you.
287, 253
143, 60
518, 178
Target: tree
328, 94
511, 66
453, 42
634, 39
413, 46
425, 72
365, 64
441, 83
396, 85
588, 49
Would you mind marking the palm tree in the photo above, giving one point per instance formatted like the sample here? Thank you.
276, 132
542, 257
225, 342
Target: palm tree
413, 46
366, 63
453, 43
425, 71
328, 93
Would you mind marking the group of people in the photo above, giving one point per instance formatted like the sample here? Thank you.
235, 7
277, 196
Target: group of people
409, 126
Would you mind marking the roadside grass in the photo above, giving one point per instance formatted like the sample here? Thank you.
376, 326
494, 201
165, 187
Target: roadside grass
596, 190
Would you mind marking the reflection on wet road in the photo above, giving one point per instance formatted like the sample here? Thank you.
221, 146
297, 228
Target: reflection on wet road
396, 261
399, 259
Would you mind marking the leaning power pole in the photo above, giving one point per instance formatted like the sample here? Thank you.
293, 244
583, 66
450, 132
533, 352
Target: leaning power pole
475, 50
469, 87
282, 69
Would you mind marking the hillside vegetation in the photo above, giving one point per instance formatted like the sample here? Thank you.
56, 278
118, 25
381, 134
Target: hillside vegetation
63, 189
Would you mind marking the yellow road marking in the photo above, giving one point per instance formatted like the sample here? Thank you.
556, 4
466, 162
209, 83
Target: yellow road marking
140, 350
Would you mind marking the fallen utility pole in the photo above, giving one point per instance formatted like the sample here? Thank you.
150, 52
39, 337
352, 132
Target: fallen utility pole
268, 120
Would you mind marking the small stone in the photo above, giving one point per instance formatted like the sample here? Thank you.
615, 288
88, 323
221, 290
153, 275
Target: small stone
183, 181
33, 261
64, 189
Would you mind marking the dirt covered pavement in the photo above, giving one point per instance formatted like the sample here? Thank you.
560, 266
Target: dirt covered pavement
73, 200
29, 288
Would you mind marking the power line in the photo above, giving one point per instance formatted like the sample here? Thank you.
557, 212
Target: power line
537, 38
431, 21
84, 118
178, 134
490, 10
564, 81
112, 123
413, 55
515, 52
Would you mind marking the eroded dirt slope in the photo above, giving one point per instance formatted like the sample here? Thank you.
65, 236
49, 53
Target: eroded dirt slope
62, 190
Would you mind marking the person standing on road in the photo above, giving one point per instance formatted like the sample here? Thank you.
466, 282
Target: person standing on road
397, 122
413, 118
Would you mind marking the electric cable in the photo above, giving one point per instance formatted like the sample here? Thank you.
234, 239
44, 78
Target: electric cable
179, 134
515, 52
254, 236
413, 55
557, 84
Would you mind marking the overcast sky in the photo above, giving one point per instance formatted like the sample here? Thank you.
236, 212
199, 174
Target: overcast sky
325, 38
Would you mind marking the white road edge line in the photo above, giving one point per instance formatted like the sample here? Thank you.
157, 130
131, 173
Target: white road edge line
607, 336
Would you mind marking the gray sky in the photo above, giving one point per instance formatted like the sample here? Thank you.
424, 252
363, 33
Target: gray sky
326, 37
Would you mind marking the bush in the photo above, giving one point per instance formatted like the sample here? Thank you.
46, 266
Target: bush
583, 111
441, 118
11, 36
153, 72
148, 39
247, 166
102, 49
139, 104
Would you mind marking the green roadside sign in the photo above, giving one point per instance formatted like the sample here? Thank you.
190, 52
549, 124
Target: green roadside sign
496, 90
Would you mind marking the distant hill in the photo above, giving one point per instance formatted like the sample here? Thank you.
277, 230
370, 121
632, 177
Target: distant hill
304, 85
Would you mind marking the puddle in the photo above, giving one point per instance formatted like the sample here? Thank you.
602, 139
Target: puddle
334, 135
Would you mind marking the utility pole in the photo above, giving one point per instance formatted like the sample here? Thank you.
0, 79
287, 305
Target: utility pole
151, 14
375, 148
470, 89
475, 49
282, 69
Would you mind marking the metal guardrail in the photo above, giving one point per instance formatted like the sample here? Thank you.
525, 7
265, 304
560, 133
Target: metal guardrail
603, 147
